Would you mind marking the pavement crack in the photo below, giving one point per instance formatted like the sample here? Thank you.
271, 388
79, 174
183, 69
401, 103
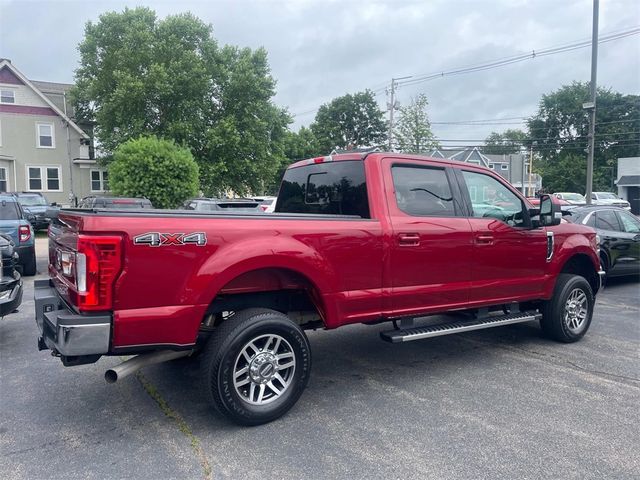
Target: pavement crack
182, 425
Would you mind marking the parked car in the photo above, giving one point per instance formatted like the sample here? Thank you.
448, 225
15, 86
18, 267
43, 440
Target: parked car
267, 204
229, 205
619, 233
36, 204
10, 280
356, 238
16, 224
610, 199
102, 201
571, 197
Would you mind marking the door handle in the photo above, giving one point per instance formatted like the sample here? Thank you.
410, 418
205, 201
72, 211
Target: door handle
409, 239
484, 239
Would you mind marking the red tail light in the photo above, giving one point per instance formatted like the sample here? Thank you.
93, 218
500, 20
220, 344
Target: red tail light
98, 264
24, 232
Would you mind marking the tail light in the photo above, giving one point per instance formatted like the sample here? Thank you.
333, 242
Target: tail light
98, 263
24, 233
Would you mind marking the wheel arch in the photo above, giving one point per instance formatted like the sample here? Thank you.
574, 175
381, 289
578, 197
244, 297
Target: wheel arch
582, 264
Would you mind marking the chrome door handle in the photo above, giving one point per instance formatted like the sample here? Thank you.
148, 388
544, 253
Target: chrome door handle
409, 239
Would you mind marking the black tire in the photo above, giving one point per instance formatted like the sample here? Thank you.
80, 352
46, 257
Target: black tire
559, 320
222, 357
29, 263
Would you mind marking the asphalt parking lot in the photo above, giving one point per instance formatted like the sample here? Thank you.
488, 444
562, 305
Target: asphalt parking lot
500, 403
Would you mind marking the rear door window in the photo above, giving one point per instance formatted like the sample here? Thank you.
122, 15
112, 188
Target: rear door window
422, 191
607, 220
331, 188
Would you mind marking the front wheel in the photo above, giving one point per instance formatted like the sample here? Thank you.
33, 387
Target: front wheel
567, 316
255, 366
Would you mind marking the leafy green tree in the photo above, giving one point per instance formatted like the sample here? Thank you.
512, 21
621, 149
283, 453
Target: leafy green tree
350, 121
140, 75
245, 143
413, 129
509, 141
560, 129
154, 168
300, 145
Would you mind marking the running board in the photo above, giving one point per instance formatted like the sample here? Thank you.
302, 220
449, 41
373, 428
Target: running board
418, 333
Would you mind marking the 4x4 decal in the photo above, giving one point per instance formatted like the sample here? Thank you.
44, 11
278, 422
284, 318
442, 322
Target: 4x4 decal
158, 239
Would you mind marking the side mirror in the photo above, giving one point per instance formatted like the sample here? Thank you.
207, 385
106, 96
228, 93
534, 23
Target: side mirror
550, 213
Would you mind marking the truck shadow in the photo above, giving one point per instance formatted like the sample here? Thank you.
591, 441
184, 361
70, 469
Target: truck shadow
353, 361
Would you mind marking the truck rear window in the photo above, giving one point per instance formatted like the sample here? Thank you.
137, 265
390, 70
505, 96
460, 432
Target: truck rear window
332, 188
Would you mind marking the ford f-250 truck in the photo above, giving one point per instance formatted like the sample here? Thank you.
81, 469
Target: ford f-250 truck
356, 238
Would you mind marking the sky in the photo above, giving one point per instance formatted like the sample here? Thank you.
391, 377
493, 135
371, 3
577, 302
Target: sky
319, 50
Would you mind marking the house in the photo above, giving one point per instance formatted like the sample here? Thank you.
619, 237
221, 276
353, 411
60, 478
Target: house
42, 148
629, 181
513, 167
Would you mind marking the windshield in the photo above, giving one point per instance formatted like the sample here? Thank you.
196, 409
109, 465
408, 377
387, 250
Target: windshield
607, 196
573, 196
32, 200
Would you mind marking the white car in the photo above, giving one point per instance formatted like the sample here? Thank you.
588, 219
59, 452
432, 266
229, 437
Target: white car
607, 198
267, 204
571, 197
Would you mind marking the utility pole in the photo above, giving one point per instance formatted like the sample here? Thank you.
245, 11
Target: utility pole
591, 105
529, 194
391, 106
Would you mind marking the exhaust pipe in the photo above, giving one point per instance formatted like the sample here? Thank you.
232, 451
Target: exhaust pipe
134, 364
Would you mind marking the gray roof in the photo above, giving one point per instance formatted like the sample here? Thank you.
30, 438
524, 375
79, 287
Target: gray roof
52, 87
629, 181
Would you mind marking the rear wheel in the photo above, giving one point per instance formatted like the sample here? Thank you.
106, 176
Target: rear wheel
29, 262
255, 366
567, 316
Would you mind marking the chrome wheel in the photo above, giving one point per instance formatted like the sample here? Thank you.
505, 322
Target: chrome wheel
264, 369
576, 310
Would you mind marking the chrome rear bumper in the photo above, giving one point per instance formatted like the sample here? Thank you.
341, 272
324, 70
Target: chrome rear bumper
67, 333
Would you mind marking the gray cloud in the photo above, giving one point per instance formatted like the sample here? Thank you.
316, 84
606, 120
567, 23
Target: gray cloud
322, 49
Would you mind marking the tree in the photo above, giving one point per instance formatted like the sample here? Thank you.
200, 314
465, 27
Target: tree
413, 130
509, 141
156, 169
560, 129
301, 145
245, 143
143, 76
350, 121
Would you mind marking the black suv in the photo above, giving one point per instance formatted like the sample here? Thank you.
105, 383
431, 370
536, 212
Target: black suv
10, 281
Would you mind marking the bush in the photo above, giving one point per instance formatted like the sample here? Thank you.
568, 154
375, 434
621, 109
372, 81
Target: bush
154, 168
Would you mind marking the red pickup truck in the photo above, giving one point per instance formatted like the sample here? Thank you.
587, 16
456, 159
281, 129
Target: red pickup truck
356, 238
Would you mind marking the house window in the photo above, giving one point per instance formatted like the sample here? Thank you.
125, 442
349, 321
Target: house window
3, 179
7, 96
99, 181
44, 179
492, 166
504, 166
44, 131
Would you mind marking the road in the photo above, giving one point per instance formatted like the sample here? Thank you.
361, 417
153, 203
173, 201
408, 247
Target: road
500, 403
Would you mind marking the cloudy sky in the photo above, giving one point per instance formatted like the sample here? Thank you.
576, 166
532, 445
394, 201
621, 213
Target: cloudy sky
322, 49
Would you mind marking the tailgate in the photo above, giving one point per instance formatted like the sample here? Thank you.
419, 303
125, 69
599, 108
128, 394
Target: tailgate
63, 243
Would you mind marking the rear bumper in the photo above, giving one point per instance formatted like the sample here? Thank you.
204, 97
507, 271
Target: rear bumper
10, 294
67, 333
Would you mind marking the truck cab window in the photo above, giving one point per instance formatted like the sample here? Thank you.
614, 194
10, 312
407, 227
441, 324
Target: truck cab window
331, 188
422, 191
490, 198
